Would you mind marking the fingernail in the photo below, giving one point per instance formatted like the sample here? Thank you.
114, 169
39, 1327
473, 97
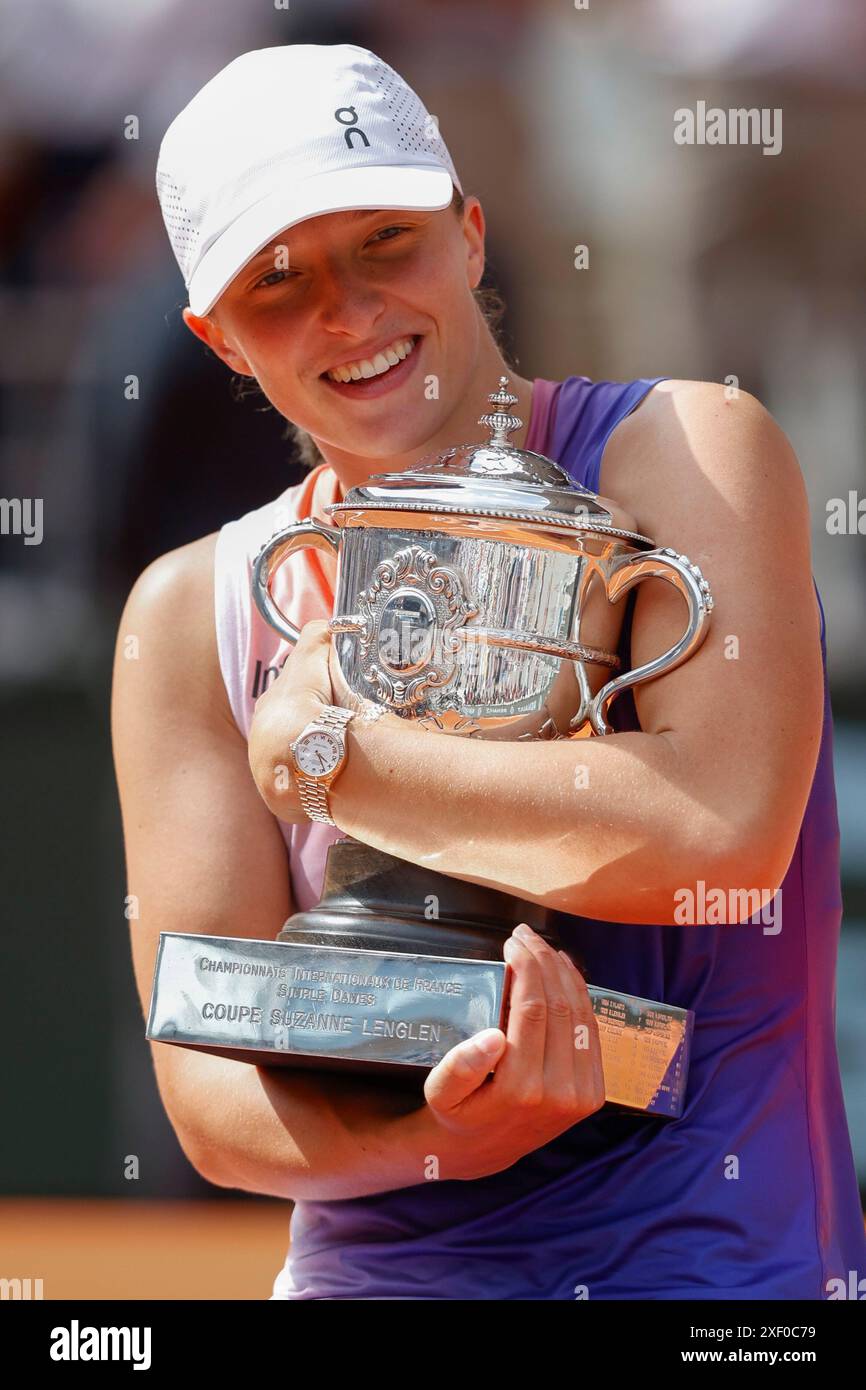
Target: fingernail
484, 1044
523, 931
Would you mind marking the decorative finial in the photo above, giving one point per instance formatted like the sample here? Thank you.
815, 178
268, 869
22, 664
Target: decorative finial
500, 421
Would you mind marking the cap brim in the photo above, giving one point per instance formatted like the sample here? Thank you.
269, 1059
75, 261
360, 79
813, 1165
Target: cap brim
337, 190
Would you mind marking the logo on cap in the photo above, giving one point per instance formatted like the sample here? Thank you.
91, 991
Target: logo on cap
355, 129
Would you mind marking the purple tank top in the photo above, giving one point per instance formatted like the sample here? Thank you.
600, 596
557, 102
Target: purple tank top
624, 1206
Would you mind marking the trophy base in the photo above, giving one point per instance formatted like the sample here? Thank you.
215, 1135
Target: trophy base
353, 985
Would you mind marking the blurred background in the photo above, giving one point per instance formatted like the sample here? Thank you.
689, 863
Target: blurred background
717, 263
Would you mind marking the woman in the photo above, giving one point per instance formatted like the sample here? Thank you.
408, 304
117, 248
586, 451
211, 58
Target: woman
320, 224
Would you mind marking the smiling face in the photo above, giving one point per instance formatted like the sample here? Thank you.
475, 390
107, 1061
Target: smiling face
340, 288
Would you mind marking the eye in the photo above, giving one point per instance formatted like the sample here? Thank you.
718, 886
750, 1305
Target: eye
270, 279
381, 234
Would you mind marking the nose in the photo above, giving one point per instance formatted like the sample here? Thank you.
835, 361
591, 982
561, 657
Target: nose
348, 301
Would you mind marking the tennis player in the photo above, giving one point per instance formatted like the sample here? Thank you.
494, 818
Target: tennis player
331, 256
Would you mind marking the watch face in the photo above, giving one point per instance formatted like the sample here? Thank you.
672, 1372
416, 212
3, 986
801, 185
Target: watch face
317, 754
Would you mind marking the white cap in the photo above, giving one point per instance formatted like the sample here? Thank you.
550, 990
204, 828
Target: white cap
283, 134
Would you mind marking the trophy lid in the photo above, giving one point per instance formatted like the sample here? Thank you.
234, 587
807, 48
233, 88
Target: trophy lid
495, 479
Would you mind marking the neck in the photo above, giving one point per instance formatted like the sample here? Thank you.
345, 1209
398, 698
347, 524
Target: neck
460, 426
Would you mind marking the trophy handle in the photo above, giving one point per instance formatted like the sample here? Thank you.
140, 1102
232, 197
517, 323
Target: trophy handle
281, 545
687, 579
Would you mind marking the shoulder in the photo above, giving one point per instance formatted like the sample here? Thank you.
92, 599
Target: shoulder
175, 586
690, 413
711, 444
166, 638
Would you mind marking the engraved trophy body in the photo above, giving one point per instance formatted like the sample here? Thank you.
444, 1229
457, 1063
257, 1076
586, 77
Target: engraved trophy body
478, 595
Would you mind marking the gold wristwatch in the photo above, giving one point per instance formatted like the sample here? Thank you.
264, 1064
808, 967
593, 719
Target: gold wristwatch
318, 757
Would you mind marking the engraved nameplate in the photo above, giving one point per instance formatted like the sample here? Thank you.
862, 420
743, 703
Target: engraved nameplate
274, 1003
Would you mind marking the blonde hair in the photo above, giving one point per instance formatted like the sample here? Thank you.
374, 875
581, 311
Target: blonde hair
492, 307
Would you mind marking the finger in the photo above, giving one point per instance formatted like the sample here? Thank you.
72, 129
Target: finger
523, 1062
308, 665
463, 1069
581, 1036
314, 639
587, 1059
559, 1039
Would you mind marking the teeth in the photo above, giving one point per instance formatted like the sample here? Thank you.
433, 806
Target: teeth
382, 362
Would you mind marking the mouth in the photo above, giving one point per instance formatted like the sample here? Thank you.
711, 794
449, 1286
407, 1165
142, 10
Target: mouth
381, 381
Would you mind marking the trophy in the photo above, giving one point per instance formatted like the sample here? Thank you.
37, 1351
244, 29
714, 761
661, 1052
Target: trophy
478, 595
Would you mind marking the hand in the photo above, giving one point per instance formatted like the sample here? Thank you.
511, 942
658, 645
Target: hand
543, 1080
310, 679
305, 675
297, 696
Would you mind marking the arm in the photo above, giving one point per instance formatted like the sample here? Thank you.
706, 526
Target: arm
204, 855
715, 783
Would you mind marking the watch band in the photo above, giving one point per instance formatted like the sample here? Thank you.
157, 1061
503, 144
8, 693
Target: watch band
334, 716
314, 799
312, 793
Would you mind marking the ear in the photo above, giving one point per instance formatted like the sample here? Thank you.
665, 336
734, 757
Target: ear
213, 337
473, 230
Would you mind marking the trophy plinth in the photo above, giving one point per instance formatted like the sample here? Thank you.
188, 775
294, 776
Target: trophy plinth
374, 901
